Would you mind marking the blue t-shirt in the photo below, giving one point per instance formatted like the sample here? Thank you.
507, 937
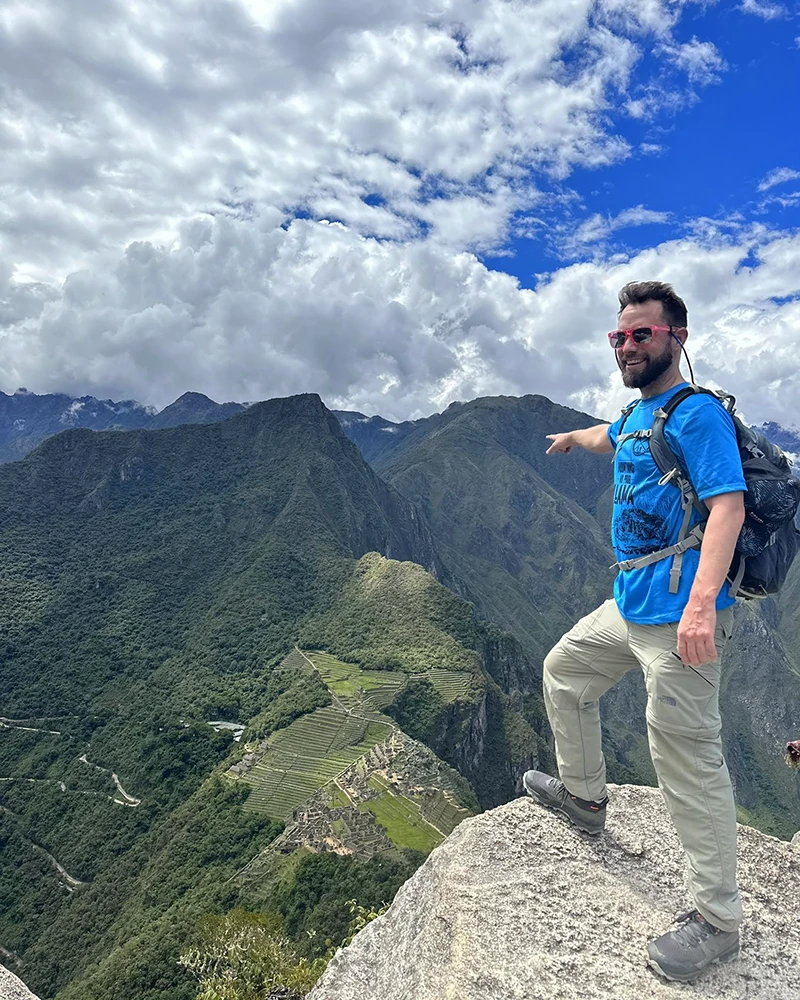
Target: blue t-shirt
647, 517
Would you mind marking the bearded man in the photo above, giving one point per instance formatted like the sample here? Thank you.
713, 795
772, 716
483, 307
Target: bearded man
672, 627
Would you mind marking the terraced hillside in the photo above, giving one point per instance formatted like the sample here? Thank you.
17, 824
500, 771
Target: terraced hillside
356, 688
306, 755
300, 759
348, 779
375, 689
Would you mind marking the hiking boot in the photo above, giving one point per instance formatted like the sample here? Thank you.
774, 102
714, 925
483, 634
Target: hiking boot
681, 955
587, 816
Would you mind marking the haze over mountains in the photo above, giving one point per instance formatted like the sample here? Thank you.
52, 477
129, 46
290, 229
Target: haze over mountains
27, 418
156, 580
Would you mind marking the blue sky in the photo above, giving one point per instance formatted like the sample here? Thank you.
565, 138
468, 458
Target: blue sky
395, 205
716, 148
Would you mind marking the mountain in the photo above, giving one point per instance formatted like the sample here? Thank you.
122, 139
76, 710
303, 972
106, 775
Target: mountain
193, 408
787, 438
509, 521
376, 437
27, 419
156, 581
241, 672
519, 904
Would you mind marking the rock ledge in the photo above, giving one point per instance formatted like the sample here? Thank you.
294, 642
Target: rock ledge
12, 988
517, 905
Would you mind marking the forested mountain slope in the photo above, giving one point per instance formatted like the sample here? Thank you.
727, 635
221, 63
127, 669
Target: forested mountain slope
155, 581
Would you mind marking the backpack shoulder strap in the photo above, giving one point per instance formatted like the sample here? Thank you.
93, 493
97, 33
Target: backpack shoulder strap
626, 412
663, 455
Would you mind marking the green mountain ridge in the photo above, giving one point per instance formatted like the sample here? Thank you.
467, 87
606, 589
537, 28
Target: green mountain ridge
154, 581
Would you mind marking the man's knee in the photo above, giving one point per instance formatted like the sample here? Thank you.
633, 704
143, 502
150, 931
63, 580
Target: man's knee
555, 664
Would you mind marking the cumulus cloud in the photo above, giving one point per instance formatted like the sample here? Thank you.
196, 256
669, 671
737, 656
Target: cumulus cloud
250, 309
763, 8
260, 197
400, 119
780, 175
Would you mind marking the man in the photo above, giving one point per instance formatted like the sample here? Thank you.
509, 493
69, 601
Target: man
676, 639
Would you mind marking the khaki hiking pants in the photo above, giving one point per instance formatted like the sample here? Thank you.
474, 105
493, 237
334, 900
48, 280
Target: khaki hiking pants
683, 728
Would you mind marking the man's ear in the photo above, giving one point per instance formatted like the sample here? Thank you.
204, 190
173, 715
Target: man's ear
679, 333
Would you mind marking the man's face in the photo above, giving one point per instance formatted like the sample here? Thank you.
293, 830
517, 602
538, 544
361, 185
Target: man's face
642, 364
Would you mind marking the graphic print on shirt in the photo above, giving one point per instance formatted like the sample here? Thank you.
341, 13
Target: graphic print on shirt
639, 529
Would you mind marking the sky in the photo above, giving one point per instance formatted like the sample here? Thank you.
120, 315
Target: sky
395, 204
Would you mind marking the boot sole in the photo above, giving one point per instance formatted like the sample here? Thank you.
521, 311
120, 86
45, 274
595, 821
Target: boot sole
593, 832
729, 956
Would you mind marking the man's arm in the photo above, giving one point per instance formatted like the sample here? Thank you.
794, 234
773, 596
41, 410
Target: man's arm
591, 438
696, 627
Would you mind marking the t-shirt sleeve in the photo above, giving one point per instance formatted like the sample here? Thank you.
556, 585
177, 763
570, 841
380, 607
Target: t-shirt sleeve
702, 435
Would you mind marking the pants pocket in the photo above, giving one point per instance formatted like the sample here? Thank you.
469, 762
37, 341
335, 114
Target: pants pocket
681, 699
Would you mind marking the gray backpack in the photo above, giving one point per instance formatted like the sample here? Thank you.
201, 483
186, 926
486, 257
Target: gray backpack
769, 539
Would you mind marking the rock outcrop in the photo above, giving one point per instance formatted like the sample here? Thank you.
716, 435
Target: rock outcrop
518, 905
12, 988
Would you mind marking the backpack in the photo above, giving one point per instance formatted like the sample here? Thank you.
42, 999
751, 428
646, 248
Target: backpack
769, 539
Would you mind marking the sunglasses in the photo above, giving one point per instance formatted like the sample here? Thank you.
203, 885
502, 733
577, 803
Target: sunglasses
641, 335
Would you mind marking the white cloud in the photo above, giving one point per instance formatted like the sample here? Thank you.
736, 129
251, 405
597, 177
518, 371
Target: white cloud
597, 228
763, 8
249, 309
396, 118
699, 60
152, 178
780, 175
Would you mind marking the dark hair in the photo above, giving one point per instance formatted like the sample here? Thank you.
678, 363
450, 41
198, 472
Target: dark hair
672, 306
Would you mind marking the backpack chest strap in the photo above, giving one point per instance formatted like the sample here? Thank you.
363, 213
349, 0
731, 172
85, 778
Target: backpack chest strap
691, 541
640, 435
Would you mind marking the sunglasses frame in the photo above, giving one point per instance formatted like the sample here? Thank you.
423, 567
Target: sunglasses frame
653, 328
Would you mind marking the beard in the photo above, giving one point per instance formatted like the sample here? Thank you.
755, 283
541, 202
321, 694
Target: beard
645, 374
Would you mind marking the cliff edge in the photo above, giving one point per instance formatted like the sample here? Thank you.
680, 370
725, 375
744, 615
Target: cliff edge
517, 905
12, 988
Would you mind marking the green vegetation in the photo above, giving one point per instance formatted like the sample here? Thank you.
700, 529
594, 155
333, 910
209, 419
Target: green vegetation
402, 820
353, 686
244, 956
153, 581
366, 624
315, 903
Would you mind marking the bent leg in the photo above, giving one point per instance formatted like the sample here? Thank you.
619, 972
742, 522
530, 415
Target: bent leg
581, 667
683, 725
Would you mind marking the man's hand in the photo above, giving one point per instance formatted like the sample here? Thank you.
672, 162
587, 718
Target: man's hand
696, 635
591, 438
561, 443
696, 627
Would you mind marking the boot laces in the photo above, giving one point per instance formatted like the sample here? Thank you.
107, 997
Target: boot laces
693, 929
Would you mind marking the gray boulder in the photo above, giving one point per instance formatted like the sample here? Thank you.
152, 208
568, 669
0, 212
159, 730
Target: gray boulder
517, 905
12, 988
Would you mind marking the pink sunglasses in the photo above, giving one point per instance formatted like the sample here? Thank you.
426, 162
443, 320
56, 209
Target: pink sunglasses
641, 335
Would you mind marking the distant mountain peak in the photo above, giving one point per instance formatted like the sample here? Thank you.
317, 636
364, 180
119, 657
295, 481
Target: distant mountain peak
193, 397
194, 408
